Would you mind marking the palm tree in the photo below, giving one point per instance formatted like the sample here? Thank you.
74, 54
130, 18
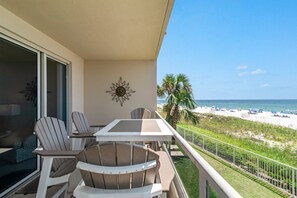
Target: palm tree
179, 97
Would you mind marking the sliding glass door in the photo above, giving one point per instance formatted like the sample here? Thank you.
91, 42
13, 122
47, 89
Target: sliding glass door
18, 112
30, 88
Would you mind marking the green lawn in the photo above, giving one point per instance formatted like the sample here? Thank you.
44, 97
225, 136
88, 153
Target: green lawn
188, 174
245, 186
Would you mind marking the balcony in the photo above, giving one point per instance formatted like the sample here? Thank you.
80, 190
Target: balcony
209, 179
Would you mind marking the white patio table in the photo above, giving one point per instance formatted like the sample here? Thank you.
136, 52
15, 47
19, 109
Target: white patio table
135, 130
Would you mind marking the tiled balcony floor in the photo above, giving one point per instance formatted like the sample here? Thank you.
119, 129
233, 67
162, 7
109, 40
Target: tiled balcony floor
29, 190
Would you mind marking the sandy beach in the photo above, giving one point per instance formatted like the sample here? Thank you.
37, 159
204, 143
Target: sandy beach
286, 120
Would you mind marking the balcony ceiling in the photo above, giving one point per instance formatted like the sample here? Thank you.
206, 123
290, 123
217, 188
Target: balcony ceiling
99, 29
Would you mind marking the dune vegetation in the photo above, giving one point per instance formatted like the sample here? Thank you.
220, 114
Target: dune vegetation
276, 142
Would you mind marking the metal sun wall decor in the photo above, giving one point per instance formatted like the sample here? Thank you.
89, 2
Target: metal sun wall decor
120, 91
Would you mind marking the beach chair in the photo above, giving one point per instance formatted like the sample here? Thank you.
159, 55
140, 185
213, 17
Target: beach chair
140, 113
58, 158
81, 123
118, 170
84, 135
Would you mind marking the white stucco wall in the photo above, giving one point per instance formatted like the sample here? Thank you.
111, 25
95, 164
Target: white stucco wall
99, 76
16, 28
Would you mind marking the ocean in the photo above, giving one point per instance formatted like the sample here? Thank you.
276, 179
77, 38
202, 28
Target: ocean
266, 105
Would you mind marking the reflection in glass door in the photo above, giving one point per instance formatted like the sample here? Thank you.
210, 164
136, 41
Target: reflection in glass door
18, 112
56, 90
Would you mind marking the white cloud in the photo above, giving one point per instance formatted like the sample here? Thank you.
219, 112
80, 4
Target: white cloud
266, 85
251, 73
243, 73
257, 72
241, 67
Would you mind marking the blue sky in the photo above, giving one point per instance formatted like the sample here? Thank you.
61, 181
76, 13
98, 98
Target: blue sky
233, 49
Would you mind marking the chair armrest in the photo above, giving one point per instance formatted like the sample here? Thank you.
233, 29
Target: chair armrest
82, 135
166, 171
43, 153
153, 190
100, 126
116, 170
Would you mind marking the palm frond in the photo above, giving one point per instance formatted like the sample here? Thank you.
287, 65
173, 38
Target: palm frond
168, 83
169, 119
182, 78
188, 115
160, 92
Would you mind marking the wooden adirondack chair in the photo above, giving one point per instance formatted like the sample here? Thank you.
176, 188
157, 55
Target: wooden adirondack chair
85, 132
118, 170
81, 123
56, 154
140, 113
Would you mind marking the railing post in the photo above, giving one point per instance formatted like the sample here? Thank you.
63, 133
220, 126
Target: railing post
192, 137
203, 142
203, 184
257, 166
233, 155
216, 149
293, 182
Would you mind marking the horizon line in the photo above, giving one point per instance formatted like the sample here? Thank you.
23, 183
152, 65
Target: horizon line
243, 99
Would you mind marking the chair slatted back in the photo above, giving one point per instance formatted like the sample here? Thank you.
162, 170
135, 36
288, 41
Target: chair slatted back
80, 121
52, 135
118, 154
140, 113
